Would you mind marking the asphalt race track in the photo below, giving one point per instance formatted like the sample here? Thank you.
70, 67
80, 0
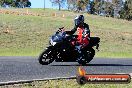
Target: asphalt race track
28, 68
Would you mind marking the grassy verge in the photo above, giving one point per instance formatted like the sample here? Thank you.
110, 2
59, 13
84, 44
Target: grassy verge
22, 35
65, 84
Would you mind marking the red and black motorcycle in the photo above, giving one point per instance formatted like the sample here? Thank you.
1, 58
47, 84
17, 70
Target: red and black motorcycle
69, 48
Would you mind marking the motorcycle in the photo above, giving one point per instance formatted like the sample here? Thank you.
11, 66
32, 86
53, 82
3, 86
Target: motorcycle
60, 49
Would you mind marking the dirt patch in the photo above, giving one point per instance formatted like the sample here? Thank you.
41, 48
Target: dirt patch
7, 30
129, 34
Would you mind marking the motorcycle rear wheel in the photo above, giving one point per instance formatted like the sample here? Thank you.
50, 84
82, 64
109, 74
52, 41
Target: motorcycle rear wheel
87, 56
46, 57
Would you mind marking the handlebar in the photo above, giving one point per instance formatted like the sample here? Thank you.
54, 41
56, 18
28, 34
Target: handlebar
60, 30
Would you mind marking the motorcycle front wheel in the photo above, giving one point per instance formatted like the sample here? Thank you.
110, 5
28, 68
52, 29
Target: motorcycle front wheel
46, 57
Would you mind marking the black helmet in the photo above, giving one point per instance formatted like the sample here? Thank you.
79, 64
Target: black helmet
79, 20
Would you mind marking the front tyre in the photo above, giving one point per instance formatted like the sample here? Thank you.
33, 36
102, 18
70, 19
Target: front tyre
46, 57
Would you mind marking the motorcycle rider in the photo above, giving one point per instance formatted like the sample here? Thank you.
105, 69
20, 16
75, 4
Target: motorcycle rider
83, 31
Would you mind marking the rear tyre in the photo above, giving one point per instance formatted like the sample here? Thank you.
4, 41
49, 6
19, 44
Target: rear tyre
82, 62
86, 56
90, 53
46, 57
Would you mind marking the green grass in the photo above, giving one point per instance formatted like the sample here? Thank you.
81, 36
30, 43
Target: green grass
64, 84
29, 35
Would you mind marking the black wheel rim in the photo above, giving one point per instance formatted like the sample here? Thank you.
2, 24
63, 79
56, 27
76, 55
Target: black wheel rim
47, 57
